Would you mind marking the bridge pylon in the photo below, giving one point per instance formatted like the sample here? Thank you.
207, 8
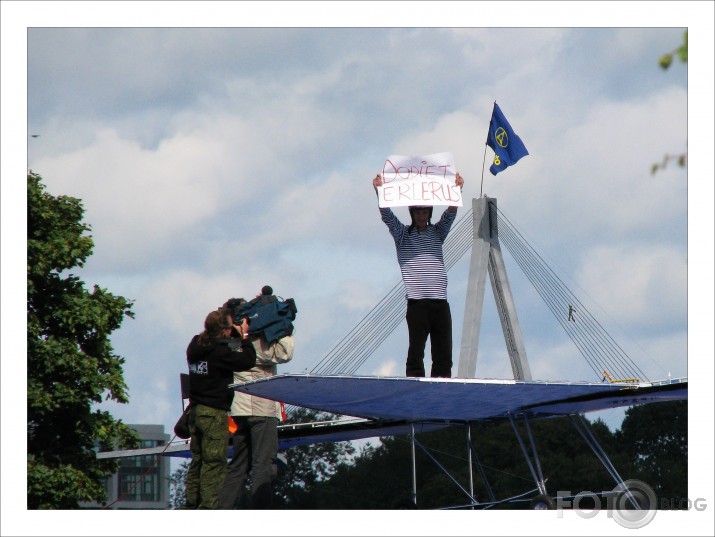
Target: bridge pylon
487, 258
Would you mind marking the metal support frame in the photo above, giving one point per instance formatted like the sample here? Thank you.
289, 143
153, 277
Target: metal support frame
469, 461
535, 473
480, 468
474, 459
414, 466
537, 462
416, 442
471, 452
579, 423
532, 461
487, 258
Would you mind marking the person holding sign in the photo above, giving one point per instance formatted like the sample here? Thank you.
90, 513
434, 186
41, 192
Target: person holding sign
419, 253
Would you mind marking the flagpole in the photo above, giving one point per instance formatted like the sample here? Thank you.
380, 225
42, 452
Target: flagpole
483, 161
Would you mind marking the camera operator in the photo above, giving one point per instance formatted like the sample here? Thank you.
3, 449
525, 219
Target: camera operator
255, 442
213, 356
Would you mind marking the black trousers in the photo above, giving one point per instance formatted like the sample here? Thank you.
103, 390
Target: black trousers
255, 450
433, 319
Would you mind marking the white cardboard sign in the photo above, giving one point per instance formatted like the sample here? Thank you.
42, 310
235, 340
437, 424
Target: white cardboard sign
425, 180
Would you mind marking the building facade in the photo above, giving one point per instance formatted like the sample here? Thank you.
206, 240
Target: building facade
142, 481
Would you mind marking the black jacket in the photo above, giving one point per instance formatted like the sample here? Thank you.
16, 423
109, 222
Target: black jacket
211, 369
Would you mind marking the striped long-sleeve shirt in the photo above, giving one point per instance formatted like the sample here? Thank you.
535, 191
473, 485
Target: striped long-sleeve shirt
419, 254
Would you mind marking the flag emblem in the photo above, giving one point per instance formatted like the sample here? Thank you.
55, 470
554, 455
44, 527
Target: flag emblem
501, 137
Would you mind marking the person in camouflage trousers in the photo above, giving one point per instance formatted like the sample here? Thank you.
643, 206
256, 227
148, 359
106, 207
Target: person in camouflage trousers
212, 357
209, 450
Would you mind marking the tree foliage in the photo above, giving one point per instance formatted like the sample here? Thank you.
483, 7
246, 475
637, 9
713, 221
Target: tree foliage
70, 361
386, 471
656, 440
665, 61
177, 486
308, 466
650, 447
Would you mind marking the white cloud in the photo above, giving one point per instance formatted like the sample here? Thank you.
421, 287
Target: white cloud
643, 288
388, 369
136, 200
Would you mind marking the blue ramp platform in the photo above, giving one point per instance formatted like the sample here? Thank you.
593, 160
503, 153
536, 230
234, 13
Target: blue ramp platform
454, 399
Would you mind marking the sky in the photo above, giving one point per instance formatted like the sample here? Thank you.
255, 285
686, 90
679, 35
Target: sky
216, 153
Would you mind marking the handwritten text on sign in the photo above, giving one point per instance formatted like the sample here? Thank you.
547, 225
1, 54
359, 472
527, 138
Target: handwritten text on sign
426, 180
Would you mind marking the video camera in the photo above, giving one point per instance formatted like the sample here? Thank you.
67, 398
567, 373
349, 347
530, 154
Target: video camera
267, 315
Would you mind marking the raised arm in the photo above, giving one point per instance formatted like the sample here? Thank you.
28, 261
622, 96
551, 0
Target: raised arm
460, 183
377, 182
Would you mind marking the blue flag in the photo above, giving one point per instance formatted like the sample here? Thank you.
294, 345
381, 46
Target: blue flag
508, 147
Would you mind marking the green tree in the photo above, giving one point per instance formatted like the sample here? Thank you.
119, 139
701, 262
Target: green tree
308, 465
70, 361
381, 477
177, 485
651, 447
665, 61
655, 438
